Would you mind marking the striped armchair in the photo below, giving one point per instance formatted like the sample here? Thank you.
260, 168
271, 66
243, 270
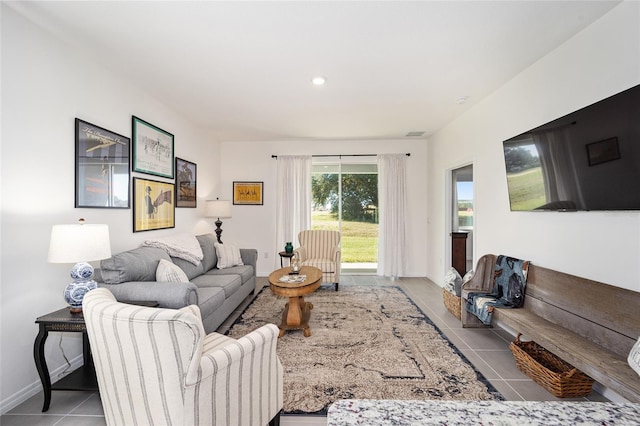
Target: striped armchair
157, 367
321, 248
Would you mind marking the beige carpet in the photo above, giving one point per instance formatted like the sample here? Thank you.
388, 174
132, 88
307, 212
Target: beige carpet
367, 343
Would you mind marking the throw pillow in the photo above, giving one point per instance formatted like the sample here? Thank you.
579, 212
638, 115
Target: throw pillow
228, 255
170, 272
452, 280
634, 357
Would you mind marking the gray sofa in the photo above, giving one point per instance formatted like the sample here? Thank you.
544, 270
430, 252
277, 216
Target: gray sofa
131, 276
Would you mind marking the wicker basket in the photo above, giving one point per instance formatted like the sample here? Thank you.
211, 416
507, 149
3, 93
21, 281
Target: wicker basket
555, 375
451, 302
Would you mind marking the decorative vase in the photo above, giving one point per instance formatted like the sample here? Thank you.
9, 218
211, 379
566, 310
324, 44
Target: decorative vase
288, 247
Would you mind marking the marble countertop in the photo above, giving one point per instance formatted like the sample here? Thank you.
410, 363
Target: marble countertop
495, 413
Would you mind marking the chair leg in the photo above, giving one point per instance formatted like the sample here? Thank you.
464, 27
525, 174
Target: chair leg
276, 420
336, 284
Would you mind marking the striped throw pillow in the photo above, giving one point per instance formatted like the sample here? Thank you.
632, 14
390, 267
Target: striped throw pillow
170, 272
228, 255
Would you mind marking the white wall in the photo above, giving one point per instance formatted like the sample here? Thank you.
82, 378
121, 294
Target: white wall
602, 60
254, 226
45, 85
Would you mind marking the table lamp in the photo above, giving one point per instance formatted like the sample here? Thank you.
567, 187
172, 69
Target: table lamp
79, 244
220, 209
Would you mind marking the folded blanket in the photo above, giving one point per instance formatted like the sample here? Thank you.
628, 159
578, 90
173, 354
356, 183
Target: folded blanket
509, 281
183, 246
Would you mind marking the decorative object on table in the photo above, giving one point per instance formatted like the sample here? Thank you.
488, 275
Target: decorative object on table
186, 177
288, 247
552, 373
102, 167
153, 206
297, 278
295, 265
373, 342
249, 193
79, 244
152, 149
220, 209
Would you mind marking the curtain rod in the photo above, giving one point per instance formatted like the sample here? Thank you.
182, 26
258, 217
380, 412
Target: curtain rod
408, 154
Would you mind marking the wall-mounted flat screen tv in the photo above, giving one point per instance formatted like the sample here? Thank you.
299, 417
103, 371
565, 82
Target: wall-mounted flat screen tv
586, 160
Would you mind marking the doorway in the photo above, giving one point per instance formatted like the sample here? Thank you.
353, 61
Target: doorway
462, 209
345, 198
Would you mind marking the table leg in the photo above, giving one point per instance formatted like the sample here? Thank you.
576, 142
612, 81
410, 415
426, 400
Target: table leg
294, 311
41, 365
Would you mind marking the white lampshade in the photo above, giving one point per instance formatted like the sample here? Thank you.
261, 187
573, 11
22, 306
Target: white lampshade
218, 208
79, 243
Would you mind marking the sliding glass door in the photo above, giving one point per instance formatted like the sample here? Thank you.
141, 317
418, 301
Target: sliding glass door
345, 198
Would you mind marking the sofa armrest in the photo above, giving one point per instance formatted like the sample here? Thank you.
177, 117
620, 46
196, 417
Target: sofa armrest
250, 257
168, 295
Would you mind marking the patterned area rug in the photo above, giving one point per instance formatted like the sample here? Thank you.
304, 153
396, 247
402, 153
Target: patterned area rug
367, 343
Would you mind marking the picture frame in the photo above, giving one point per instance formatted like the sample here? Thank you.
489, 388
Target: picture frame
186, 181
153, 206
603, 151
248, 193
152, 149
102, 167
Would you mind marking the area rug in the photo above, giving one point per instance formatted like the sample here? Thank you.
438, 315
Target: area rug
367, 342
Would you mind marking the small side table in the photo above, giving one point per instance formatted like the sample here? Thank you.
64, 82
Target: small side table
81, 379
287, 255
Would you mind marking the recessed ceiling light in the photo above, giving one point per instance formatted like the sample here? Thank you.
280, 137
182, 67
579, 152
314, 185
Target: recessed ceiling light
319, 80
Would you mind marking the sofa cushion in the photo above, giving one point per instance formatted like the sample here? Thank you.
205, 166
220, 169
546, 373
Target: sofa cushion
245, 271
133, 265
207, 244
228, 255
210, 299
229, 283
169, 272
189, 268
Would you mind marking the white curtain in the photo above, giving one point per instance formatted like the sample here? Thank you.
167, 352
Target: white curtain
393, 199
293, 212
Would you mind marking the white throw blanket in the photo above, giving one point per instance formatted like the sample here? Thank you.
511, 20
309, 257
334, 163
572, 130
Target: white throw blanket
183, 246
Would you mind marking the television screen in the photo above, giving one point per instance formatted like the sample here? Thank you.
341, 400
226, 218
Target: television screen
586, 160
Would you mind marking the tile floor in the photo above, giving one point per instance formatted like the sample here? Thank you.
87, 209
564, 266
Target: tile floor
487, 349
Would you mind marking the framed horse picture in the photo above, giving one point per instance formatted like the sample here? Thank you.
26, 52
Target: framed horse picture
153, 205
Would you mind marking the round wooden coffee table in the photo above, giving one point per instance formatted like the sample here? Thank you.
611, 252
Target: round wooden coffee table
296, 312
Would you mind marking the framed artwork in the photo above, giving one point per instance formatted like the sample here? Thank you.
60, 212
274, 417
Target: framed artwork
603, 151
102, 167
186, 177
249, 193
152, 149
153, 206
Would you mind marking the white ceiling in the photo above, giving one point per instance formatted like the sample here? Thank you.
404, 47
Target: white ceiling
243, 69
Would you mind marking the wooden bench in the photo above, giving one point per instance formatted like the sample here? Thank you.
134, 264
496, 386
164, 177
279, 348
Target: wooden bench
586, 323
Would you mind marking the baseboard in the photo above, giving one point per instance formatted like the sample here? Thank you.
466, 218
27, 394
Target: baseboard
34, 388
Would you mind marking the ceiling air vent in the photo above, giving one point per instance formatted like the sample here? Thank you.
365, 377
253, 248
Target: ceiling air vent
415, 133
